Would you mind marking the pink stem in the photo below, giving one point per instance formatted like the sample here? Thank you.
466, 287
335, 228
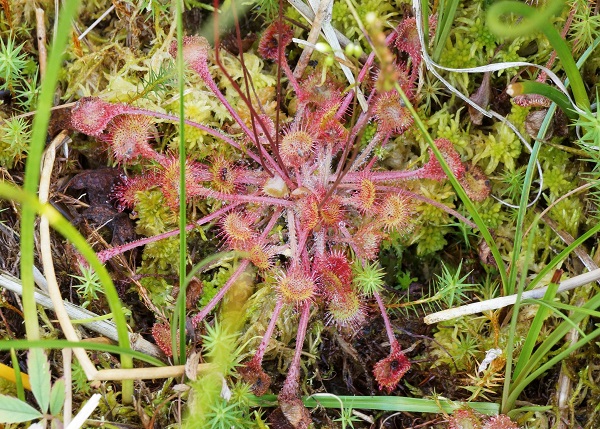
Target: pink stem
386, 321
207, 129
205, 192
212, 132
290, 386
385, 176
215, 89
262, 348
107, 254
365, 153
219, 296
290, 75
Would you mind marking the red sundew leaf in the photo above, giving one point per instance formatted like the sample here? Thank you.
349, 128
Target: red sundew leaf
391, 114
476, 183
275, 35
296, 286
91, 115
195, 54
124, 192
128, 136
464, 419
367, 240
396, 213
237, 228
345, 309
389, 371
407, 38
254, 375
161, 332
500, 421
296, 147
294, 411
320, 92
433, 170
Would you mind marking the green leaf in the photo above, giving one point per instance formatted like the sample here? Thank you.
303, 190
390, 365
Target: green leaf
57, 396
39, 377
13, 410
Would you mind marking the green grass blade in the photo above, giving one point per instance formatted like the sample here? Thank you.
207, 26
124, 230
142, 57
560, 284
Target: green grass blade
540, 19
551, 306
385, 403
550, 92
567, 307
62, 344
446, 13
34, 157
561, 256
482, 227
525, 381
18, 377
514, 321
534, 330
545, 348
180, 359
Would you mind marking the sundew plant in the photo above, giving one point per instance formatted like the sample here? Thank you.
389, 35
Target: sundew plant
298, 194
278, 206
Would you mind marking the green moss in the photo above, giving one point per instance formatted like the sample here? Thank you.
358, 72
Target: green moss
212, 286
492, 213
344, 21
430, 239
568, 213
555, 181
551, 157
154, 216
162, 256
448, 126
7, 387
499, 147
457, 343
14, 140
158, 289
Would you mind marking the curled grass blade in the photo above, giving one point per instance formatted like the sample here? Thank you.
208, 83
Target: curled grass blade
540, 19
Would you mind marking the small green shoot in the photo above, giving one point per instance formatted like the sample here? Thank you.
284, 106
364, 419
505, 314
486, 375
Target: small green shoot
12, 62
89, 285
451, 287
368, 277
14, 140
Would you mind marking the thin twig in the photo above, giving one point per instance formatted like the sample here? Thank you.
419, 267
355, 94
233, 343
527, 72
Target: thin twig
312, 38
40, 26
96, 22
